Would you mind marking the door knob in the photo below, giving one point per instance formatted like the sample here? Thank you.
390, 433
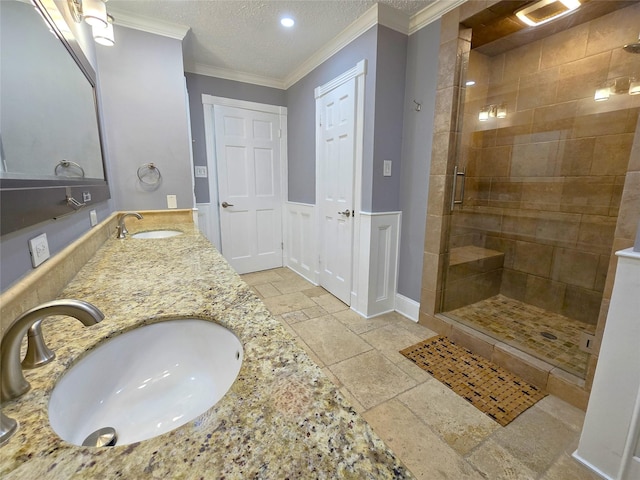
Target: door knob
346, 213
225, 204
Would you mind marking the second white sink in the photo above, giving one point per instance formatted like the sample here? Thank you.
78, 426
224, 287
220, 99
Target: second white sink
157, 234
147, 381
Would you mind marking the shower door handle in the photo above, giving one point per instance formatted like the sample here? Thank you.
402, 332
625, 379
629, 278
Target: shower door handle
457, 173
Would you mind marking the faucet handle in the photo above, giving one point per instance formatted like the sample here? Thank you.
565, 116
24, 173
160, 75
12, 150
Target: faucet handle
8, 427
38, 353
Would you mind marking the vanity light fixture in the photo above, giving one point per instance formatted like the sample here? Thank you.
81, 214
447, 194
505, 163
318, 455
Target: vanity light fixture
104, 36
94, 12
546, 10
287, 22
634, 86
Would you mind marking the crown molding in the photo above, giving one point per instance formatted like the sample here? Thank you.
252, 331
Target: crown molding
228, 74
379, 13
363, 23
157, 27
432, 12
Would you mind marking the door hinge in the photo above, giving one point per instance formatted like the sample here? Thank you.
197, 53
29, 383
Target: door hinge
279, 133
282, 245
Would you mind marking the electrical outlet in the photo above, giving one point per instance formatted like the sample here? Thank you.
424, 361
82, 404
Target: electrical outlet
387, 168
86, 197
172, 201
94, 218
39, 249
201, 172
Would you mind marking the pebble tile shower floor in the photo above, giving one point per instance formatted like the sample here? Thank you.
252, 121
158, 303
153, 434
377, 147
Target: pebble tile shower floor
524, 326
437, 434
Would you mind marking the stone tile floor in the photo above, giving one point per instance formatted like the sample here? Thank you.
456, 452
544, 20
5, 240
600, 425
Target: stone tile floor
521, 325
434, 432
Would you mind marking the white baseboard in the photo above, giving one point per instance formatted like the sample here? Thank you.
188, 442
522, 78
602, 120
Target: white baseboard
591, 467
407, 307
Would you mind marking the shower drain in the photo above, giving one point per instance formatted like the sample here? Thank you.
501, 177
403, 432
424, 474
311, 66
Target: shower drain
548, 335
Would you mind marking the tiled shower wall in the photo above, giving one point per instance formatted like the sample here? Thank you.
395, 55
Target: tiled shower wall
544, 184
438, 224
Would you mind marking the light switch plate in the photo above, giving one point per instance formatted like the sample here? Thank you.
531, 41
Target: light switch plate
387, 168
39, 249
172, 201
201, 172
94, 218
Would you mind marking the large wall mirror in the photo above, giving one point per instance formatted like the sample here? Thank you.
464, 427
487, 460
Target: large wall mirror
51, 158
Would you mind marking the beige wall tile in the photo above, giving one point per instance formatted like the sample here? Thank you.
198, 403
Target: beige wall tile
577, 79
611, 154
576, 156
545, 293
614, 30
521, 61
629, 207
564, 47
529, 368
568, 387
533, 258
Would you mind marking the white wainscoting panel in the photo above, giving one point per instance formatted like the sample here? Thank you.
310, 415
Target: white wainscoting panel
378, 263
208, 222
300, 246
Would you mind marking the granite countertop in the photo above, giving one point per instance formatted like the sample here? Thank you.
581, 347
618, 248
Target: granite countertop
282, 418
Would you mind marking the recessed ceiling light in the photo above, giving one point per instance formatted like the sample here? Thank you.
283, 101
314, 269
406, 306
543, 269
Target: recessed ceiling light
287, 22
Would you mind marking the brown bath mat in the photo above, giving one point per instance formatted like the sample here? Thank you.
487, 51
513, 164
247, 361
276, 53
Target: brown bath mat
491, 389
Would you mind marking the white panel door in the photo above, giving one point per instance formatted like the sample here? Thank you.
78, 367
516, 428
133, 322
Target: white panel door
336, 171
249, 187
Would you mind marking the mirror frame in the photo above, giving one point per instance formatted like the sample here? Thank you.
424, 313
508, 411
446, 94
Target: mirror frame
26, 202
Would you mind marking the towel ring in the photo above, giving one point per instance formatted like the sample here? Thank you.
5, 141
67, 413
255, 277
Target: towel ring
149, 174
67, 164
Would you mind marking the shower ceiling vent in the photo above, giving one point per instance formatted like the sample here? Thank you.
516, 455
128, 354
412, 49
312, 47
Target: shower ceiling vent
544, 11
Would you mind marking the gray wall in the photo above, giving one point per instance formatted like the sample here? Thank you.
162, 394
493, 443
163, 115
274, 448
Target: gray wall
421, 78
380, 193
145, 107
301, 107
15, 259
219, 87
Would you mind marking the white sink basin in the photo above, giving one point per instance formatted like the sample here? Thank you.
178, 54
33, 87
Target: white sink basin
157, 234
147, 381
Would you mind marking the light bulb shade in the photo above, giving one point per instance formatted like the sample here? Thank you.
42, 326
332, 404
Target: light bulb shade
602, 94
501, 111
95, 13
104, 36
483, 116
634, 87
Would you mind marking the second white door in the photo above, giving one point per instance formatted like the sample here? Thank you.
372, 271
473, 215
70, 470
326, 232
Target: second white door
336, 160
249, 187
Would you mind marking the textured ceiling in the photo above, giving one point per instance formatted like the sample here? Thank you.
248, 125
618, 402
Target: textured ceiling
246, 36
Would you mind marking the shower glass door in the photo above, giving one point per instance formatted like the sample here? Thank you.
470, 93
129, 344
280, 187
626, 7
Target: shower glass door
547, 130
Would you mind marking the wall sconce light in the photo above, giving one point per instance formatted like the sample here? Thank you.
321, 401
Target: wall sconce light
617, 86
602, 94
492, 111
94, 12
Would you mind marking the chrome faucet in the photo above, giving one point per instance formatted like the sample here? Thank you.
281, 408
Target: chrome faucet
121, 229
13, 382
